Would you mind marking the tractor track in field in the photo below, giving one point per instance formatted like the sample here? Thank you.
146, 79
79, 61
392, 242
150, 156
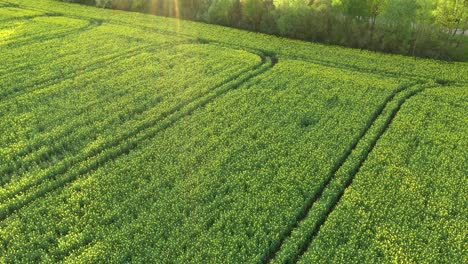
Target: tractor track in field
37, 144
92, 23
412, 77
331, 183
358, 69
43, 84
121, 146
68, 130
317, 61
87, 242
112, 58
23, 18
356, 170
8, 5
260, 52
81, 245
90, 241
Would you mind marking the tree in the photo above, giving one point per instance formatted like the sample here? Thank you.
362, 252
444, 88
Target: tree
423, 25
452, 17
451, 14
252, 13
323, 14
220, 12
398, 18
292, 19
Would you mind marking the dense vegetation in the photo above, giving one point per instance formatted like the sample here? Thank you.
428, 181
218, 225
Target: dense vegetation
134, 138
424, 28
402, 207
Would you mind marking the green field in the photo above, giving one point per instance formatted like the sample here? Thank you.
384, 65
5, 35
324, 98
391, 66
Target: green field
127, 137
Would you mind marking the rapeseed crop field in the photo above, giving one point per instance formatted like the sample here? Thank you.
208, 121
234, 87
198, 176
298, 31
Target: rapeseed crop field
127, 137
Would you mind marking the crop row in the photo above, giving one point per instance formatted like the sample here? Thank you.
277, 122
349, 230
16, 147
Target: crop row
365, 61
192, 184
143, 97
12, 13
24, 32
117, 148
61, 58
321, 205
406, 201
22, 58
4, 4
38, 110
229, 180
390, 65
51, 140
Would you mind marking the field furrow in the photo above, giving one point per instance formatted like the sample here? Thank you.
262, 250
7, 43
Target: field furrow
43, 28
113, 140
11, 12
393, 181
132, 138
299, 238
253, 91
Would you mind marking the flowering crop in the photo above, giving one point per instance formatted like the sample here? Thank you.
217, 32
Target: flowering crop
134, 138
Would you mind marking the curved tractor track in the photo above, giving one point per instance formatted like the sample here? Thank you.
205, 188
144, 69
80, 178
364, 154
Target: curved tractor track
92, 23
67, 173
295, 241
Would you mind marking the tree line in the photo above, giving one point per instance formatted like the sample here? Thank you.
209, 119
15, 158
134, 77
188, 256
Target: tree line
423, 28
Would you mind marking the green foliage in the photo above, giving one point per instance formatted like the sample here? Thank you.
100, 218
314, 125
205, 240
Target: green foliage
424, 28
253, 11
221, 11
134, 138
404, 204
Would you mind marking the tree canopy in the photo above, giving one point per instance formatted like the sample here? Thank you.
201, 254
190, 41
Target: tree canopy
425, 28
